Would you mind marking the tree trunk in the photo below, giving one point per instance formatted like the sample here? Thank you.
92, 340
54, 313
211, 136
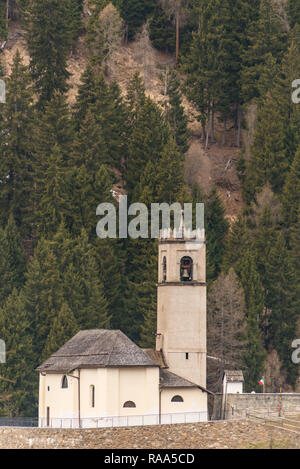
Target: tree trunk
239, 125
207, 131
7, 13
224, 134
177, 35
213, 124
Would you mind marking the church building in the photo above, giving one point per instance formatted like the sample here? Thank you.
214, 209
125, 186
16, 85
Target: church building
101, 378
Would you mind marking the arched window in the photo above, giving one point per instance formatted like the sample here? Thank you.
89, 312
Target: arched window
164, 269
92, 395
186, 269
176, 399
129, 404
64, 383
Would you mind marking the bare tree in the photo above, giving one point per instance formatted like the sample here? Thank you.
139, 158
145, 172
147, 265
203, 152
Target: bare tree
107, 33
226, 326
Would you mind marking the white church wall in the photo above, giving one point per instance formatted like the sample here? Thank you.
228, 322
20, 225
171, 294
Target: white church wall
60, 402
194, 402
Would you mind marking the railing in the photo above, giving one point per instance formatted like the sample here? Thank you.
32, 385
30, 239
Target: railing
19, 421
124, 421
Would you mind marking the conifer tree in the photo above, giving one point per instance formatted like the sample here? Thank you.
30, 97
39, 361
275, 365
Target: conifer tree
281, 298
148, 135
43, 294
49, 34
63, 328
277, 133
291, 192
100, 107
266, 36
216, 227
15, 144
135, 13
254, 302
12, 260
19, 367
175, 114
293, 12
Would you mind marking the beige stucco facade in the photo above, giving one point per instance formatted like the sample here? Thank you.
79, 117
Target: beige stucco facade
58, 407
112, 388
181, 311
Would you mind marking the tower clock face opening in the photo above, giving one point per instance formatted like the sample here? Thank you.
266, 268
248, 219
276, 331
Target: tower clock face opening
186, 269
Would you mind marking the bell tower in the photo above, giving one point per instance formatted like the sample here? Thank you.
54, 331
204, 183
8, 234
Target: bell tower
181, 305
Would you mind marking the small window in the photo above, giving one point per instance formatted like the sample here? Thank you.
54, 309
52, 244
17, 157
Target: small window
186, 269
129, 404
186, 356
64, 383
92, 395
164, 269
48, 388
176, 399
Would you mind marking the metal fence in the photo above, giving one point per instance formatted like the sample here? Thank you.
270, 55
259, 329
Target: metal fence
104, 422
124, 421
19, 421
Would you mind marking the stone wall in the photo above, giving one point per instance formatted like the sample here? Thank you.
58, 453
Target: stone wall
239, 405
223, 434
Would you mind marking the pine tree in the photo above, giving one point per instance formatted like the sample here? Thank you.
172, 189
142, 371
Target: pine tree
12, 260
100, 107
64, 327
43, 295
148, 135
15, 144
291, 192
162, 32
82, 287
135, 13
49, 34
277, 133
293, 12
216, 227
254, 302
19, 367
266, 36
175, 114
282, 300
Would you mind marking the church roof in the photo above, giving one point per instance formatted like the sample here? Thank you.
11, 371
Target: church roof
170, 380
96, 348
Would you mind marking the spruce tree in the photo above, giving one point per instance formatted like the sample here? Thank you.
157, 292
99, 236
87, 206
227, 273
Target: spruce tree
49, 33
216, 228
16, 146
254, 302
63, 328
281, 299
291, 192
266, 36
12, 260
175, 114
16, 332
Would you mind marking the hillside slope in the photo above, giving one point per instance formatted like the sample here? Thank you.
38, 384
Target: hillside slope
214, 166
